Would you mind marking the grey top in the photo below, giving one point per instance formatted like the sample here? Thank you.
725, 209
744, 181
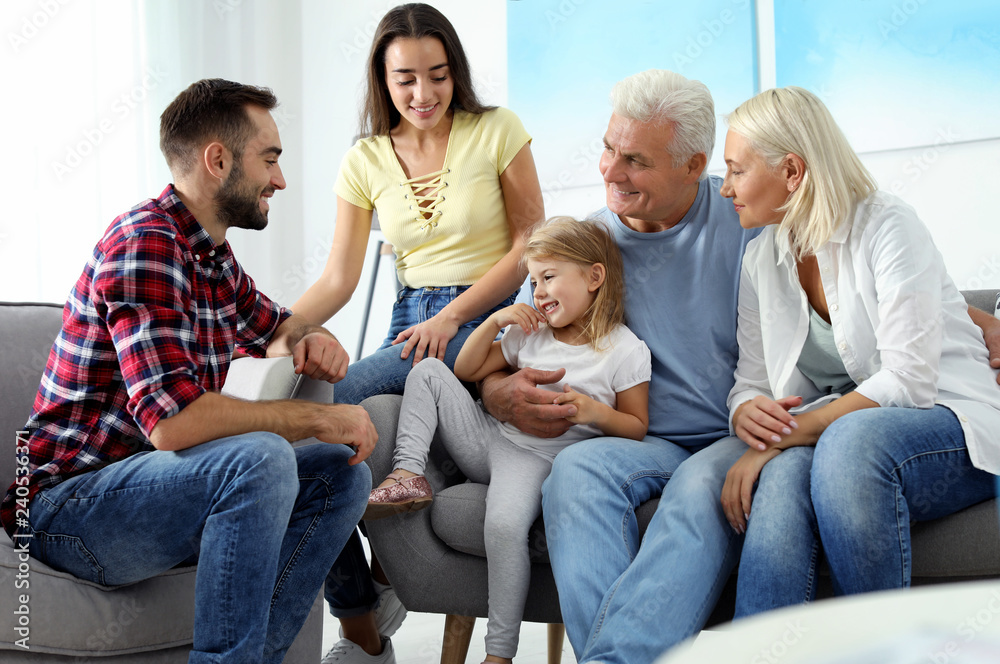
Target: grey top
820, 361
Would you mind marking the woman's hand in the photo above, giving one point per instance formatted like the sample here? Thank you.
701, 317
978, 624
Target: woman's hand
430, 337
737, 492
762, 423
520, 314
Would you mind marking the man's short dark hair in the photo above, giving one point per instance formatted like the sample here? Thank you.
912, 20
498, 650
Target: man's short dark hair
211, 109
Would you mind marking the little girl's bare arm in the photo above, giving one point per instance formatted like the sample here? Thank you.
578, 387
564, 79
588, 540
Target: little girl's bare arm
481, 355
629, 420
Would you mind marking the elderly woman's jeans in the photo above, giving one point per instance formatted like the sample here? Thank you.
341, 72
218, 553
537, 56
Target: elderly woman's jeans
873, 472
349, 588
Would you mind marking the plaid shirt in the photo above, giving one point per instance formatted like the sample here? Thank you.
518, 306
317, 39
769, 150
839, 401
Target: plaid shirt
149, 327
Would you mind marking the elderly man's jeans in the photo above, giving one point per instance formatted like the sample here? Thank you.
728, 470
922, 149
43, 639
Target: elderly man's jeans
262, 520
622, 603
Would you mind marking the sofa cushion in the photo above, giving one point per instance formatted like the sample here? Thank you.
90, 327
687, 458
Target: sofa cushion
67, 616
936, 553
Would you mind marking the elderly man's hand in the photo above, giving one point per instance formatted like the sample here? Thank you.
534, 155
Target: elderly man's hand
517, 400
320, 356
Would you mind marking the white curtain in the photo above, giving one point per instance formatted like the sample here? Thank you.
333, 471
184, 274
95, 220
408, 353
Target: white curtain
87, 81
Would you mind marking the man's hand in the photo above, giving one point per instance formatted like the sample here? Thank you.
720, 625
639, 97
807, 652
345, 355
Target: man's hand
349, 425
517, 400
320, 356
991, 334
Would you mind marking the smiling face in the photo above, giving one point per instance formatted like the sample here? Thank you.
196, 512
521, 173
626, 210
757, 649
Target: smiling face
642, 184
242, 200
419, 80
563, 291
757, 189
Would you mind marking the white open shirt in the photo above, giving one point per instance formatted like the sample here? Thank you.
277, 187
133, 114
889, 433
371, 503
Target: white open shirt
901, 326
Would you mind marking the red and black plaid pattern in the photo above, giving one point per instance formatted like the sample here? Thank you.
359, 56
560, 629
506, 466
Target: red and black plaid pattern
150, 325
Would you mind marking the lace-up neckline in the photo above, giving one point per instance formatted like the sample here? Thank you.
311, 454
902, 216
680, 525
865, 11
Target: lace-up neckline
432, 185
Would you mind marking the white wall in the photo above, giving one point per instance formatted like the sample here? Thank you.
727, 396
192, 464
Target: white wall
312, 53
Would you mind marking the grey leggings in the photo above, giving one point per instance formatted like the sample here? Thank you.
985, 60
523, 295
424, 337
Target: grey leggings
435, 401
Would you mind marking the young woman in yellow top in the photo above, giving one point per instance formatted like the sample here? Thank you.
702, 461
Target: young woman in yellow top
455, 188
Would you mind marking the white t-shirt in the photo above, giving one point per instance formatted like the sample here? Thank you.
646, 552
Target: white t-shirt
601, 375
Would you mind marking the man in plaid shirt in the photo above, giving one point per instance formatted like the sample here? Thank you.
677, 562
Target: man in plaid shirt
137, 463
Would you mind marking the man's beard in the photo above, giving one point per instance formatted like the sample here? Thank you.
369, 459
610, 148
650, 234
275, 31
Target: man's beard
238, 202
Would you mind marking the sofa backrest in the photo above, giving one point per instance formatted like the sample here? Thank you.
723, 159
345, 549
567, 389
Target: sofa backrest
982, 299
26, 334
27, 331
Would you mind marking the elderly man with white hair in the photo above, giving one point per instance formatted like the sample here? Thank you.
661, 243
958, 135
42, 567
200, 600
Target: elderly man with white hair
682, 246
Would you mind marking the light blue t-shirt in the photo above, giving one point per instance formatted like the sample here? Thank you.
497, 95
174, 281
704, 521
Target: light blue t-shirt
681, 290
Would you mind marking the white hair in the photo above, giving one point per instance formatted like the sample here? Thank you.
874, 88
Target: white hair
792, 120
662, 96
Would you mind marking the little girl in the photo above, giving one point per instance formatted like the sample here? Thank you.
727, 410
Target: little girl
577, 324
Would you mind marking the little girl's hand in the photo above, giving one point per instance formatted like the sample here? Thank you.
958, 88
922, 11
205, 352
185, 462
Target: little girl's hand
584, 405
519, 314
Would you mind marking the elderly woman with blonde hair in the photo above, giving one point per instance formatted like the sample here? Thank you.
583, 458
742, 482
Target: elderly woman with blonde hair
862, 384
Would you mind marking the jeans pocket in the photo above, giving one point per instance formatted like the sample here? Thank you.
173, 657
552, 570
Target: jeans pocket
66, 553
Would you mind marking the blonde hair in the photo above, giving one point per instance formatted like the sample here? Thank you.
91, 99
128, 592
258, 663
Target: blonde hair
663, 96
585, 242
792, 120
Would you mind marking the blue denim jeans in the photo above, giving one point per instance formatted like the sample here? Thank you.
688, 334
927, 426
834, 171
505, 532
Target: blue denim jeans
384, 372
349, 588
262, 520
622, 602
872, 473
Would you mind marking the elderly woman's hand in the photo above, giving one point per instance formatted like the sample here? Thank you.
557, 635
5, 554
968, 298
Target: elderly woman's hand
761, 423
737, 492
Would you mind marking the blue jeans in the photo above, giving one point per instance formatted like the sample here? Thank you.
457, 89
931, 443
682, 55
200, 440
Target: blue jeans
384, 372
262, 520
349, 588
622, 602
871, 474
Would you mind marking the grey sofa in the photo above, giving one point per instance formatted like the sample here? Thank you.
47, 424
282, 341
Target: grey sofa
436, 557
68, 620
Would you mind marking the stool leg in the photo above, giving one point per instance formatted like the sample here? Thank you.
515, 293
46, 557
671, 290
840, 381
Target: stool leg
457, 635
556, 633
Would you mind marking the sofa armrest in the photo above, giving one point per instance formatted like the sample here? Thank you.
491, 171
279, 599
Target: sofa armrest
254, 379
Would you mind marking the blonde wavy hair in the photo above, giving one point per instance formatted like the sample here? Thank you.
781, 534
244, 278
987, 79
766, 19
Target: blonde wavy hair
792, 120
585, 242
